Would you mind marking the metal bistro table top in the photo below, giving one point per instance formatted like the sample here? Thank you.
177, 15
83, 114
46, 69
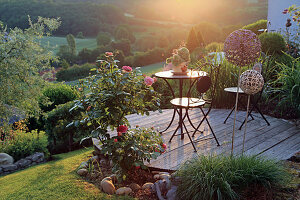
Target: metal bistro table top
190, 75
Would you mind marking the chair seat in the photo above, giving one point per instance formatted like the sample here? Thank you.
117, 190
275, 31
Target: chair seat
187, 102
234, 90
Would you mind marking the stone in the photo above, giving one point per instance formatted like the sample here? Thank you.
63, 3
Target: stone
171, 194
111, 164
94, 159
114, 178
107, 179
160, 173
108, 187
147, 186
1, 170
164, 176
83, 165
40, 160
36, 156
82, 172
23, 163
135, 186
9, 168
124, 191
156, 176
6, 159
162, 184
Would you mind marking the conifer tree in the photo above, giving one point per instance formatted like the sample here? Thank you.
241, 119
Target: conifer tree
192, 40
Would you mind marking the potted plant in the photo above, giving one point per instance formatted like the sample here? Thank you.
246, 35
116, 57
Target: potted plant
179, 60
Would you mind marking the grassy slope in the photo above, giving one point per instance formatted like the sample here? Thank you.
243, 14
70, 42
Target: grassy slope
152, 69
52, 180
55, 42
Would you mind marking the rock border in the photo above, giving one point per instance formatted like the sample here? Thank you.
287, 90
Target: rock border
34, 159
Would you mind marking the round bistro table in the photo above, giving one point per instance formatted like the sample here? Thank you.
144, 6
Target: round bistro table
191, 75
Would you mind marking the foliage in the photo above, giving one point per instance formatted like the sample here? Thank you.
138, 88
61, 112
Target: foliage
62, 138
222, 177
112, 94
123, 31
272, 43
57, 94
145, 58
123, 45
145, 43
210, 32
20, 144
229, 29
103, 39
80, 35
58, 181
286, 87
192, 41
21, 60
130, 150
75, 72
107, 97
72, 44
256, 26
214, 47
86, 17
180, 55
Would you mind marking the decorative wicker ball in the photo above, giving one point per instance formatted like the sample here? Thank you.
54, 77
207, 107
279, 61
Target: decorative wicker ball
242, 47
251, 81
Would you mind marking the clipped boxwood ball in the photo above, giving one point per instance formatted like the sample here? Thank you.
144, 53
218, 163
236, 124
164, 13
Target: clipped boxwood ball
272, 43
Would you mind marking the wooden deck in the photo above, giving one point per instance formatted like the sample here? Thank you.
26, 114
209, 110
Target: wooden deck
280, 140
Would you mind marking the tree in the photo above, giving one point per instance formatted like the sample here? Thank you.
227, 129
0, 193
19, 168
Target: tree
200, 39
124, 32
123, 45
103, 39
80, 35
72, 44
192, 40
21, 60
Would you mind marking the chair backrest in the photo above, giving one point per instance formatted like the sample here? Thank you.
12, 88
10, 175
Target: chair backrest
209, 82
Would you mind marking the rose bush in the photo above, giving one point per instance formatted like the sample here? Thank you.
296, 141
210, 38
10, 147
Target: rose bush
130, 149
105, 100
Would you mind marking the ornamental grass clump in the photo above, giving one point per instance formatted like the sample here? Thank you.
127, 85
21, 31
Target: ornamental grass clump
225, 177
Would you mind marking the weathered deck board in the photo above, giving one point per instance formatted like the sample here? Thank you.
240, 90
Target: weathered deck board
280, 140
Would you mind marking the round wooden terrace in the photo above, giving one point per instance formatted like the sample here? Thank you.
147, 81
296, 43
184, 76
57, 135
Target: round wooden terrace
278, 141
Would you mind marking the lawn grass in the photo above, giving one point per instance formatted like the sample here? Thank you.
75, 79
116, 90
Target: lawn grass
55, 42
53, 180
152, 69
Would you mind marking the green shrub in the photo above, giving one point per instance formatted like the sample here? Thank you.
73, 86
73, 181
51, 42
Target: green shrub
254, 27
146, 58
210, 32
223, 177
20, 144
75, 72
57, 94
272, 43
62, 138
103, 38
214, 47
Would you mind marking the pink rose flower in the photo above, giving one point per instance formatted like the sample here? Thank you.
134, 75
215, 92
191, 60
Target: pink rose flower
127, 68
109, 54
154, 79
148, 80
164, 146
115, 140
119, 134
122, 129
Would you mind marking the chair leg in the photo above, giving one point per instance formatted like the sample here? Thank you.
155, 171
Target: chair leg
190, 138
187, 115
174, 133
258, 110
205, 116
